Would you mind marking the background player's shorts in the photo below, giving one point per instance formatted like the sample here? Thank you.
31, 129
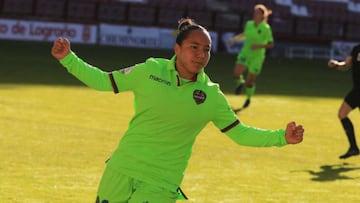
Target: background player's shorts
353, 98
117, 187
253, 63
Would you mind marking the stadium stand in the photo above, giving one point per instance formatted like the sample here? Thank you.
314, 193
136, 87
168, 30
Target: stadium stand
352, 32
307, 27
140, 14
352, 17
18, 8
113, 12
282, 26
332, 30
79, 10
204, 18
239, 5
301, 19
50, 9
183, 4
282, 11
227, 22
168, 17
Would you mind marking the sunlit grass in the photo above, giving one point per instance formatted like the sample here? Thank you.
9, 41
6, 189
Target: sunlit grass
55, 134
54, 141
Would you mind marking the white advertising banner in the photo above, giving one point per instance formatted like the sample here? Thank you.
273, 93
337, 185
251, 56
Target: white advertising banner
130, 36
147, 37
167, 38
47, 31
340, 50
214, 41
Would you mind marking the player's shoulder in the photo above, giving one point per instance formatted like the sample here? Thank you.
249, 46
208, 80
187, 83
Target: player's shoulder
355, 49
157, 62
213, 86
265, 25
357, 46
250, 22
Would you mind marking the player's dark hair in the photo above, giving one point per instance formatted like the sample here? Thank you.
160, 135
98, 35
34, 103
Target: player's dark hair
187, 25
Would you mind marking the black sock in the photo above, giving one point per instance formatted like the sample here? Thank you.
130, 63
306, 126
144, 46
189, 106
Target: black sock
349, 130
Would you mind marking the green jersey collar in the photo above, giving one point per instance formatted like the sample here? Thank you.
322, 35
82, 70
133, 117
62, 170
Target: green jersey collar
171, 67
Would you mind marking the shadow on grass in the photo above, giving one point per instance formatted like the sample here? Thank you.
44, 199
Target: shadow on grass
329, 173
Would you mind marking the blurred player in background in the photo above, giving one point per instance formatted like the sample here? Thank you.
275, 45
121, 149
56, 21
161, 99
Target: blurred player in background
257, 38
352, 99
174, 101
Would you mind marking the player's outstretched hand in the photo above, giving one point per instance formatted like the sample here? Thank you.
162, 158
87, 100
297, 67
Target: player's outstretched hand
61, 48
231, 41
294, 133
332, 63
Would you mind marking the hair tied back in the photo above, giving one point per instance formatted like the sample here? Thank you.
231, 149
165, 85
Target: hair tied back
184, 22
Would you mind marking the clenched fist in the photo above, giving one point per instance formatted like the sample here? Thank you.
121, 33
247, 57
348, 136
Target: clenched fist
294, 133
61, 48
332, 63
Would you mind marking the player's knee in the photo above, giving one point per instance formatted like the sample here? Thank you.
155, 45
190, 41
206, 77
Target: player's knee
341, 115
250, 83
237, 72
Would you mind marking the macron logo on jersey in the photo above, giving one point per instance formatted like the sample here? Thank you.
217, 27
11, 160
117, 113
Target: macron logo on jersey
160, 80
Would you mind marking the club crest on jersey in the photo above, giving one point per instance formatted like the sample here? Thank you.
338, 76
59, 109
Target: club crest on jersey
127, 70
199, 96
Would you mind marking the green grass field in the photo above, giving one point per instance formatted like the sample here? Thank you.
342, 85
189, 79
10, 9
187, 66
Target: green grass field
55, 133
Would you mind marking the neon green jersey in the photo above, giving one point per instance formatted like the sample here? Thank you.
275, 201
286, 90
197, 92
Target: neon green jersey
169, 114
260, 34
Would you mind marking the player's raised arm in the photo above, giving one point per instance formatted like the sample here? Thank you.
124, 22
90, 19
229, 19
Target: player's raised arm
236, 38
86, 73
60, 48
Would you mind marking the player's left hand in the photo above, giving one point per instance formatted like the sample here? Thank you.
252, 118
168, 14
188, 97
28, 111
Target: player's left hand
294, 133
231, 41
332, 63
60, 48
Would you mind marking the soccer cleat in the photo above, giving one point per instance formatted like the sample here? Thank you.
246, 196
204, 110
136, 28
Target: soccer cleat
238, 89
246, 104
351, 152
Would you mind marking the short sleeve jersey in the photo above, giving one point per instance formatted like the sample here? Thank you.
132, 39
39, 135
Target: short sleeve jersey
260, 34
355, 66
169, 113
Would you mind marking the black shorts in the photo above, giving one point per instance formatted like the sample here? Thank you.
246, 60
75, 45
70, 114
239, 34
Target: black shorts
353, 98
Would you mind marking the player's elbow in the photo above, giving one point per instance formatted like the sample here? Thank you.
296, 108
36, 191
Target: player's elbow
270, 45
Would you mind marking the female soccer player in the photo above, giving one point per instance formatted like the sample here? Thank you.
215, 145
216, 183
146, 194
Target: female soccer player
174, 101
351, 100
257, 38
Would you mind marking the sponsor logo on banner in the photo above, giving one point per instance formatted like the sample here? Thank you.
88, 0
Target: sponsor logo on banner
148, 37
46, 31
131, 36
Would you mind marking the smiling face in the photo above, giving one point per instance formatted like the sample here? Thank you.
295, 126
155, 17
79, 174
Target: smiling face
193, 53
